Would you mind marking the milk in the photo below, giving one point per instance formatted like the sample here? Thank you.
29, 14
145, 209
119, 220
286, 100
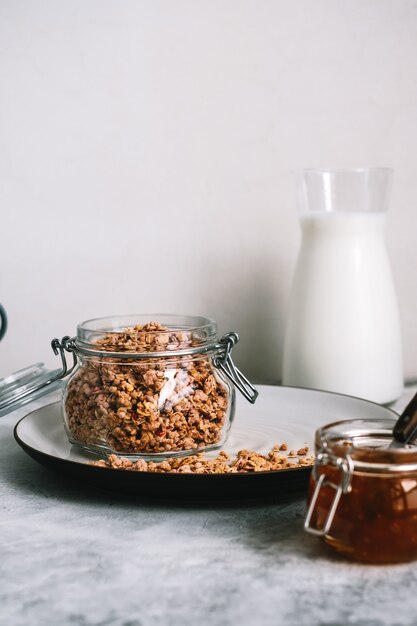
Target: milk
343, 330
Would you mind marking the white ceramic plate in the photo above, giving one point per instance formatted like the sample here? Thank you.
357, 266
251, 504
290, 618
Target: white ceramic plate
281, 414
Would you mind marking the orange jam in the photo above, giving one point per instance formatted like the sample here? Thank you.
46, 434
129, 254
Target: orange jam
363, 495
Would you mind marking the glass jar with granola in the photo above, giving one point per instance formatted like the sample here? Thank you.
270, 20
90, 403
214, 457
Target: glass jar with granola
150, 386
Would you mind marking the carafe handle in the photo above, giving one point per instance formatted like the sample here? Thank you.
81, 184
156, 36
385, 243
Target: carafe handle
3, 319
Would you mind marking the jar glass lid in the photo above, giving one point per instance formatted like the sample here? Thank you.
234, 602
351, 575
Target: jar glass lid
26, 385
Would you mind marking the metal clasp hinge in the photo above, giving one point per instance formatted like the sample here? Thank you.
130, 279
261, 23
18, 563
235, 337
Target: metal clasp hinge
345, 465
66, 344
225, 363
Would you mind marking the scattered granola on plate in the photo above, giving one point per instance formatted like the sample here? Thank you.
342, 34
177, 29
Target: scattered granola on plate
244, 461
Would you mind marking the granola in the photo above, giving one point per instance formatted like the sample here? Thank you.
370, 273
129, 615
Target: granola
147, 406
244, 461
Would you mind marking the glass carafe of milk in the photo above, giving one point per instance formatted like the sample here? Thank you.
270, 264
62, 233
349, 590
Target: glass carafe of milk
343, 330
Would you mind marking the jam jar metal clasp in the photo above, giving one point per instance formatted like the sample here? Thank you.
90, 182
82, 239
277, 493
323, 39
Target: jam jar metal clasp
345, 465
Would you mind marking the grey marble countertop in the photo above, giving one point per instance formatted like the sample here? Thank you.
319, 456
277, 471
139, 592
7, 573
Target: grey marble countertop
74, 555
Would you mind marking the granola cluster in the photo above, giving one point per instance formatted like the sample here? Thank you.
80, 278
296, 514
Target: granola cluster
245, 461
151, 405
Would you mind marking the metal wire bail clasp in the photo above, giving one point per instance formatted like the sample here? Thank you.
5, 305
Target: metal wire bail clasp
345, 465
224, 362
66, 344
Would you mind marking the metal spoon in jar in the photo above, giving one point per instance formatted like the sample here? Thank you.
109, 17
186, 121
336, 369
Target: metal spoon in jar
405, 429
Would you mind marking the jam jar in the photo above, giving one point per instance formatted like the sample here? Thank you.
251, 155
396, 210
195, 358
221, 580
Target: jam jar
150, 385
363, 494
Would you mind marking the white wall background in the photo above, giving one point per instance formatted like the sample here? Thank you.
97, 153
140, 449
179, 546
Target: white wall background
146, 149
